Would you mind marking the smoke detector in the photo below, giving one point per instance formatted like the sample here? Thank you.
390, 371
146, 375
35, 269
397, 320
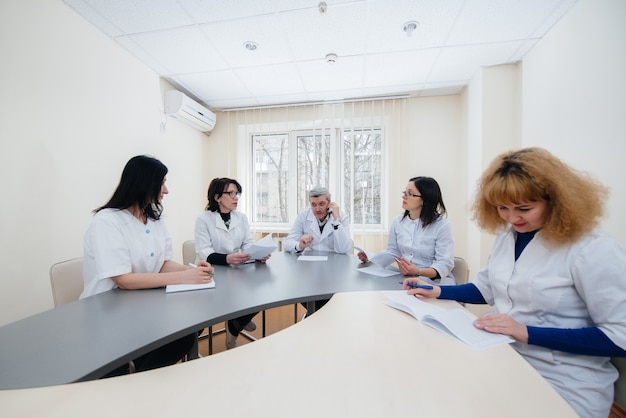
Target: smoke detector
331, 58
409, 27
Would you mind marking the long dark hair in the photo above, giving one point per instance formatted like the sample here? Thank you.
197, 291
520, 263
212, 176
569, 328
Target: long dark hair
217, 187
433, 207
139, 185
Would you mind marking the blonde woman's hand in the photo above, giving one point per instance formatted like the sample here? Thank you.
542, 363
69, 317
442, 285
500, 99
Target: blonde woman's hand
503, 324
433, 292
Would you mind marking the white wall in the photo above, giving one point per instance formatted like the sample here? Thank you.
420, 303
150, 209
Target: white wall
574, 92
74, 108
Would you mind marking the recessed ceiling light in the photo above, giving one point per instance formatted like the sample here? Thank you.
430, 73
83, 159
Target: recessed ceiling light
409, 27
331, 58
250, 45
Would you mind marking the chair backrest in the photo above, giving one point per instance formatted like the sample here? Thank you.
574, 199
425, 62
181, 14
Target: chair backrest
460, 270
189, 252
66, 279
620, 384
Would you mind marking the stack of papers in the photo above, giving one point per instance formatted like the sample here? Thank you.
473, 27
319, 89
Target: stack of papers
171, 288
378, 270
457, 322
313, 258
262, 248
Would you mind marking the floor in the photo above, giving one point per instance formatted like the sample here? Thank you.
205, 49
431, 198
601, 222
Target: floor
276, 319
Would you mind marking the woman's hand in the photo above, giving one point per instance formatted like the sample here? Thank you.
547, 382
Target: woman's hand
199, 275
503, 324
237, 259
362, 256
264, 259
435, 292
406, 267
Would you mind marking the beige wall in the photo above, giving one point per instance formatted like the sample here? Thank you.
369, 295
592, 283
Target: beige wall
574, 92
75, 107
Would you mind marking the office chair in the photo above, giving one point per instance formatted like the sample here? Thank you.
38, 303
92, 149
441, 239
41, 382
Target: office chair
460, 271
189, 256
66, 280
620, 384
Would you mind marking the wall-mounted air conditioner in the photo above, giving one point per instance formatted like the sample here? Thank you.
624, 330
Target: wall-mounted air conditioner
188, 111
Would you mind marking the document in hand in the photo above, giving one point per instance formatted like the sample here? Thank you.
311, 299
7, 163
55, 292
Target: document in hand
262, 248
457, 322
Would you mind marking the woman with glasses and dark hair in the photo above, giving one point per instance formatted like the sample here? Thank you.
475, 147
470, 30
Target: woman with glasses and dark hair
222, 236
127, 246
420, 240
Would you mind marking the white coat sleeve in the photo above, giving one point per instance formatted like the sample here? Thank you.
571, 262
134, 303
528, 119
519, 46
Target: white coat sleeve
204, 244
297, 230
341, 236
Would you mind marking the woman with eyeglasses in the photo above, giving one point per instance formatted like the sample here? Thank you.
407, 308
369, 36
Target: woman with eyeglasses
222, 236
420, 240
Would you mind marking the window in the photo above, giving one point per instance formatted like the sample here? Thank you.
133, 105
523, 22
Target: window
286, 165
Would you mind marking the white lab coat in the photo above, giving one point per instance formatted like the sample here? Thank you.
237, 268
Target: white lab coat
573, 286
212, 236
330, 239
432, 246
118, 243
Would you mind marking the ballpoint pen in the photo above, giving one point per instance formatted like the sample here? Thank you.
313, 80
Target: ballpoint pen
418, 286
210, 273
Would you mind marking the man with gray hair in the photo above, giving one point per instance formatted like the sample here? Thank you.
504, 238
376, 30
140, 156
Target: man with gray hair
322, 227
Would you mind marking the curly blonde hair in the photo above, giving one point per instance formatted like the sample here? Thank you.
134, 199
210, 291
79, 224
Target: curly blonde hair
575, 201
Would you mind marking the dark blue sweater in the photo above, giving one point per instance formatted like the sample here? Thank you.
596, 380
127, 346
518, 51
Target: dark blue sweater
590, 341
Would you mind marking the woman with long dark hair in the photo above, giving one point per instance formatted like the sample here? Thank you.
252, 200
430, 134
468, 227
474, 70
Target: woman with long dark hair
420, 240
127, 246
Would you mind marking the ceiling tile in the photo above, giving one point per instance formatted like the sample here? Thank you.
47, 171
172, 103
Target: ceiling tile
184, 50
134, 16
198, 44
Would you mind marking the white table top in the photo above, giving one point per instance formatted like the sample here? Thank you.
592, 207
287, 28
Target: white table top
356, 357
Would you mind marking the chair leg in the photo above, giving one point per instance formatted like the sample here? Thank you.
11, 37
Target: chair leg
263, 324
210, 335
192, 354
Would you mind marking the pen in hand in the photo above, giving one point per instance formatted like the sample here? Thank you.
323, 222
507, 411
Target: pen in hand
210, 273
418, 286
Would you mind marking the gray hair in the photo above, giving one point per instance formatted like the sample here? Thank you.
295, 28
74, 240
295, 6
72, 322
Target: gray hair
318, 191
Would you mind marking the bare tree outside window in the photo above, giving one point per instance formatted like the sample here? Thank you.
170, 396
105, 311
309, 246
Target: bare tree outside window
271, 172
362, 175
313, 165
287, 165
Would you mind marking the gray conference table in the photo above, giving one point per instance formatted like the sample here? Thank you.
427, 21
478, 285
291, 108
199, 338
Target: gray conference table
84, 340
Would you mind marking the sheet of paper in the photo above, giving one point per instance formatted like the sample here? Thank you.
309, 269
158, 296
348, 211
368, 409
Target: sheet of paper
378, 270
313, 258
262, 248
359, 249
171, 288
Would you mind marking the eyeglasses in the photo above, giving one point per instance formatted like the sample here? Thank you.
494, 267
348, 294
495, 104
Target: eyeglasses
233, 193
406, 194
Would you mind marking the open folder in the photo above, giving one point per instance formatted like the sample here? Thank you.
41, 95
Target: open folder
457, 322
